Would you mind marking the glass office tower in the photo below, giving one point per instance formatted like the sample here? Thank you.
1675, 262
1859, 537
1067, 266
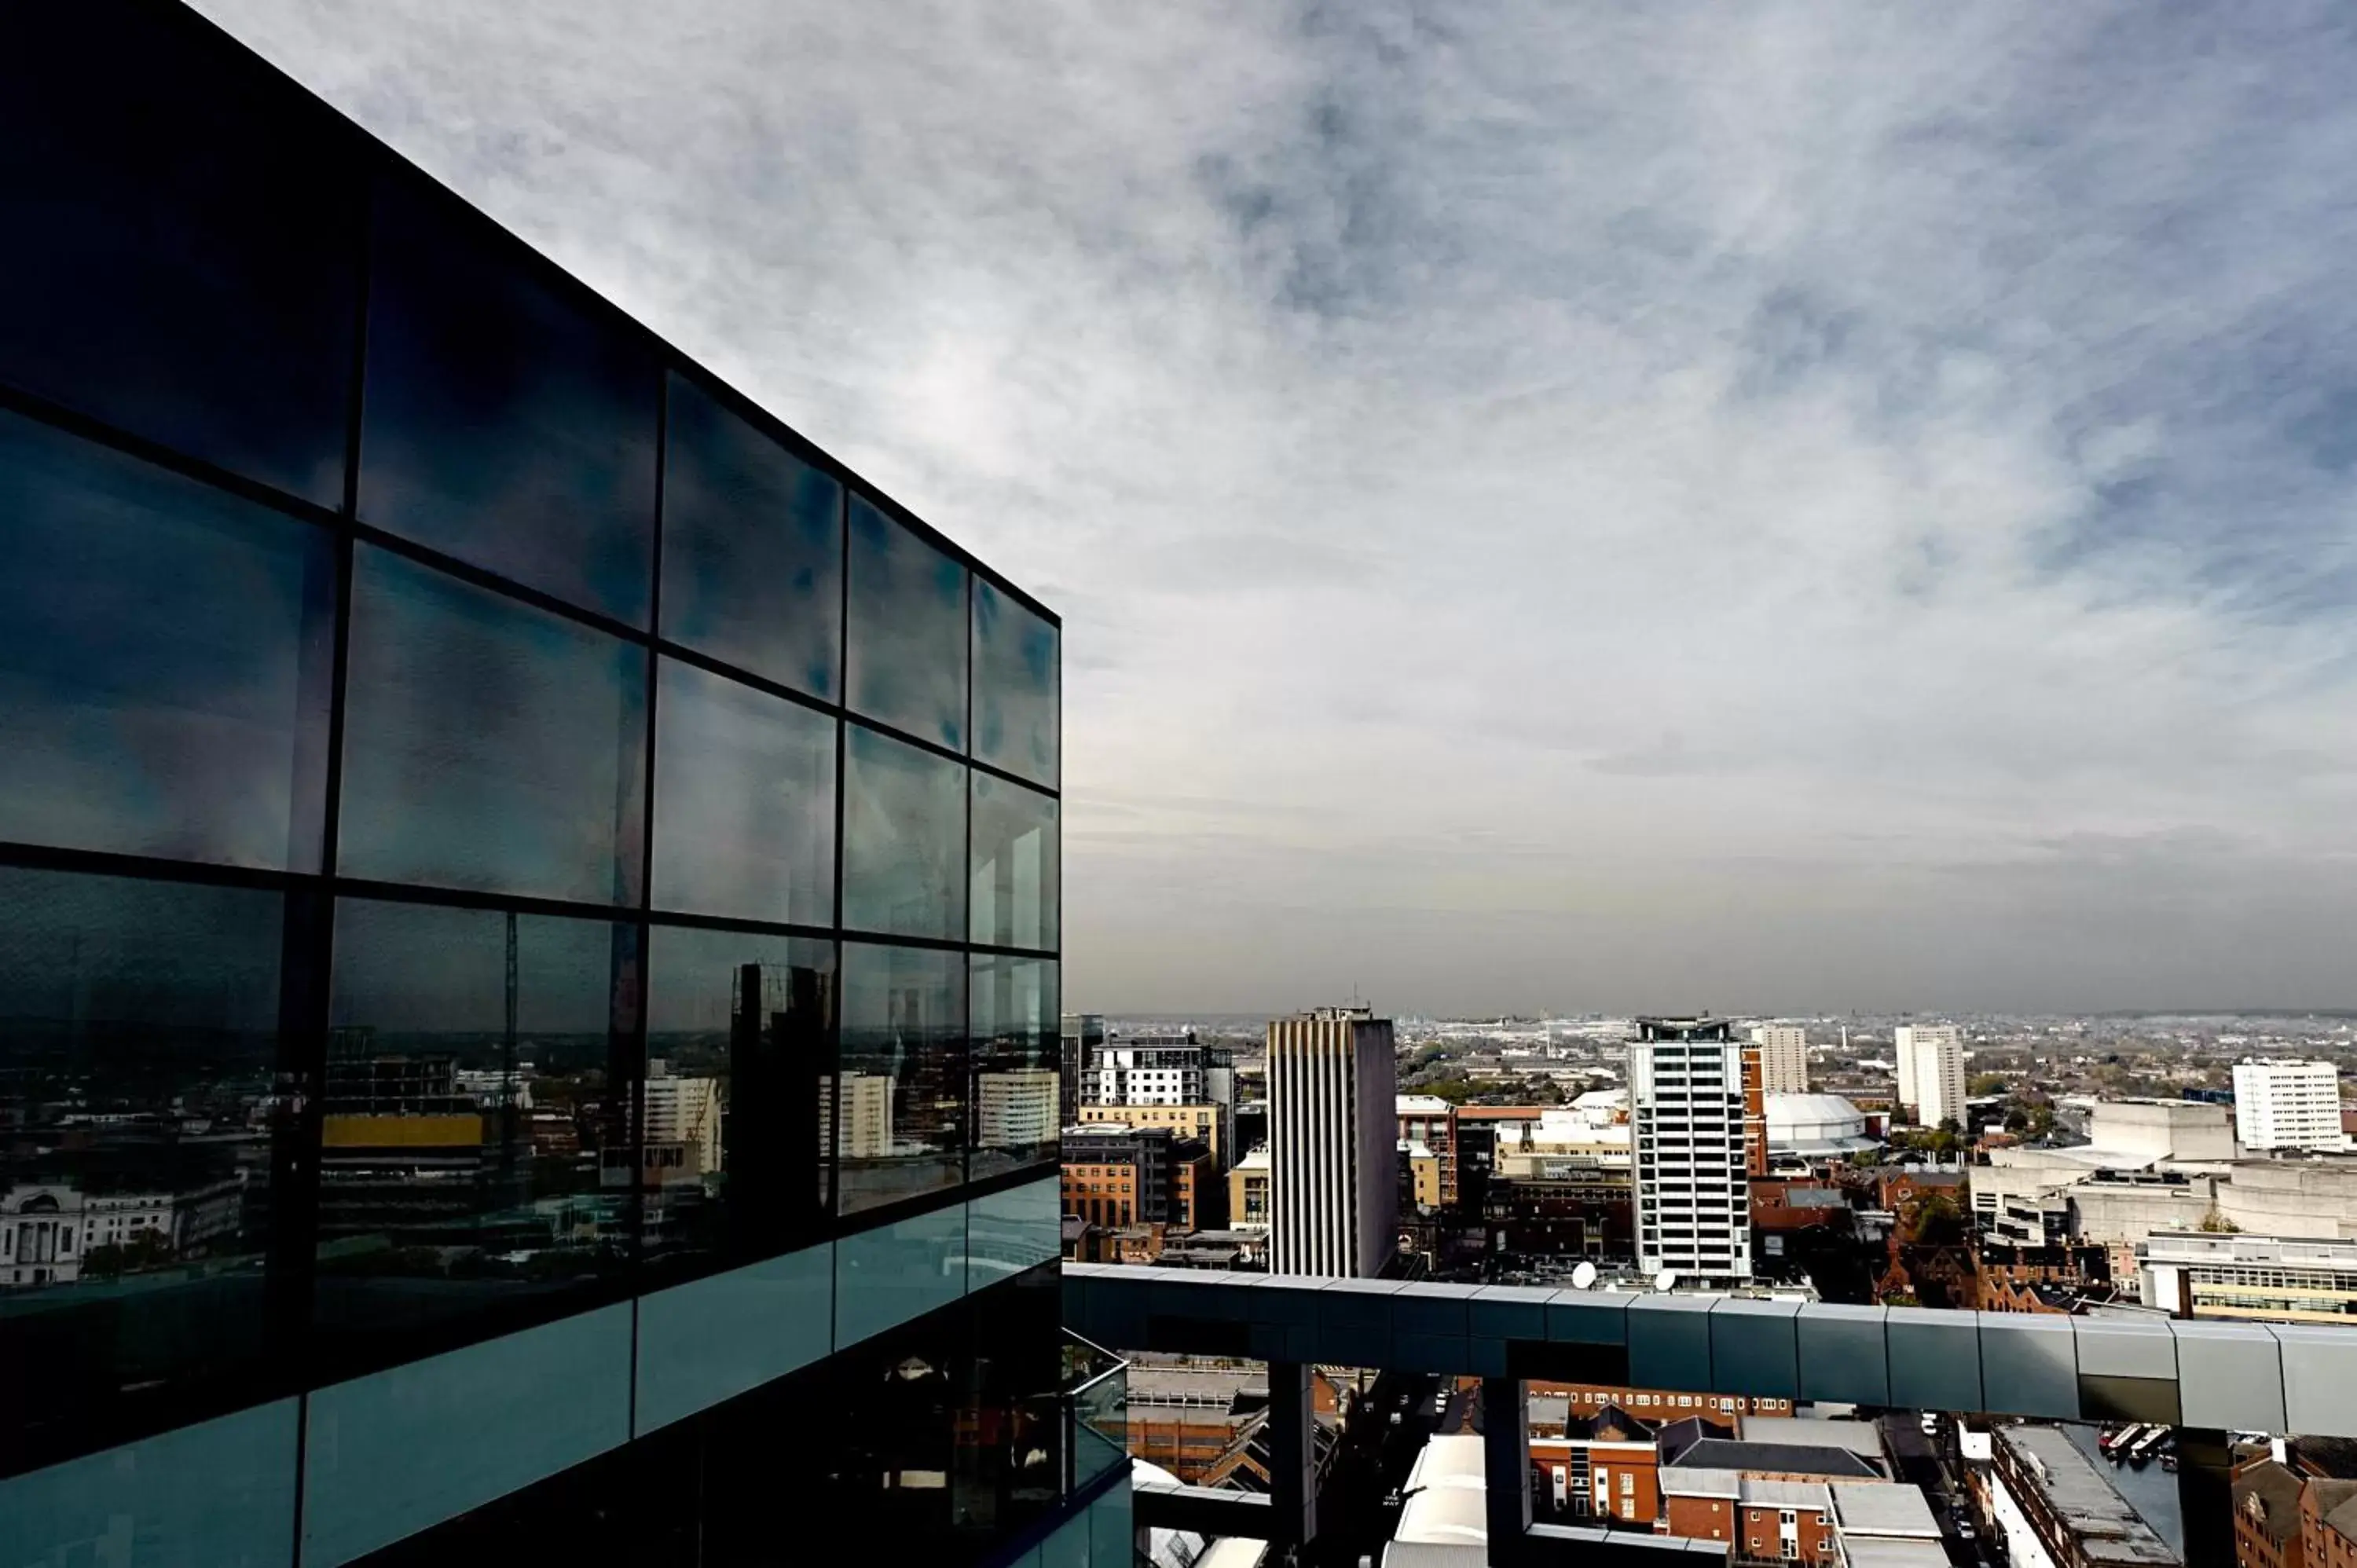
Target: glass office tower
528, 899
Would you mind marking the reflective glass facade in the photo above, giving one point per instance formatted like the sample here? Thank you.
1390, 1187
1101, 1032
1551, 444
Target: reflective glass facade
508, 958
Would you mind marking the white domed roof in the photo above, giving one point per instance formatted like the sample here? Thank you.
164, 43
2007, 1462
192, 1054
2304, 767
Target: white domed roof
1815, 1125
1797, 1108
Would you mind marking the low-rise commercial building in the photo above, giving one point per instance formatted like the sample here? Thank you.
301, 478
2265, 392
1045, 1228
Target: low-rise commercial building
2053, 1509
2312, 1196
1210, 1122
1248, 1206
2275, 1278
1430, 1121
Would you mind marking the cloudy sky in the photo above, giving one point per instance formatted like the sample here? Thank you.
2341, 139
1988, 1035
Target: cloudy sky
1759, 508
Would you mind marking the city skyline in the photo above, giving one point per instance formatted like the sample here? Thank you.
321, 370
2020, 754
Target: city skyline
1382, 400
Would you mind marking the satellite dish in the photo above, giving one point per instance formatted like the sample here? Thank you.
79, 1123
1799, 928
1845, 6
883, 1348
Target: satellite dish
1584, 1277
1664, 1280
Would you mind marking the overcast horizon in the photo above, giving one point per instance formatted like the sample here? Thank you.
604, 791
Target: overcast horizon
1799, 507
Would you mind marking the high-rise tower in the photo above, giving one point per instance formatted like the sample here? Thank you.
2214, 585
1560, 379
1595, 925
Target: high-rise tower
1694, 1103
1332, 1141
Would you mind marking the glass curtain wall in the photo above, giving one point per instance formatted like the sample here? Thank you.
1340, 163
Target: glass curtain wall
490, 821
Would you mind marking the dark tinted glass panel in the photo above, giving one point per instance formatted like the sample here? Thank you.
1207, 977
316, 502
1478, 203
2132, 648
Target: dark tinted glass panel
1016, 879
904, 832
752, 548
1016, 686
740, 1034
504, 423
138, 1044
1008, 1466
900, 1103
907, 630
946, 1435
744, 801
934, 1442
486, 744
474, 1170
1014, 1030
164, 661
181, 253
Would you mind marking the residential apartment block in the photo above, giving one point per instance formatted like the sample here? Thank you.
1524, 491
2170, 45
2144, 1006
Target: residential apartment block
2287, 1105
1693, 1092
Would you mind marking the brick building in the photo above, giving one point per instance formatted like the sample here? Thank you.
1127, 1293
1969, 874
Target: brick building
2267, 1517
1117, 1175
1655, 1406
2328, 1524
1600, 1465
1199, 1196
2293, 1503
1100, 1185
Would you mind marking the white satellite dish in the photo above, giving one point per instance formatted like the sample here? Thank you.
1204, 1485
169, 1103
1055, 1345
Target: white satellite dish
1584, 1277
1664, 1280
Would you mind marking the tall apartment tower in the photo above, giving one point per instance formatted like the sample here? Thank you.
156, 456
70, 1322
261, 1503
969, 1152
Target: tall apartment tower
1783, 1058
1693, 1102
1333, 1136
1932, 1072
2287, 1105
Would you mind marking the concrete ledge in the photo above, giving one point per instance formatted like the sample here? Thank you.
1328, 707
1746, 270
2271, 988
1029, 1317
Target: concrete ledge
2210, 1373
1207, 1511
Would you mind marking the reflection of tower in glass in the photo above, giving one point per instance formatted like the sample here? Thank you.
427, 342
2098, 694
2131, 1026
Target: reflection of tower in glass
866, 1100
402, 1145
682, 1125
778, 1026
928, 1099
1015, 1109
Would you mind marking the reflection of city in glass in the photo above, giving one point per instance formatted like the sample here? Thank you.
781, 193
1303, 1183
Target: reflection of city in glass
493, 827
474, 1147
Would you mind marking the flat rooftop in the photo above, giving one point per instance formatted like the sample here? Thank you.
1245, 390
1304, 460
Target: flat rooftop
2108, 1530
1886, 1508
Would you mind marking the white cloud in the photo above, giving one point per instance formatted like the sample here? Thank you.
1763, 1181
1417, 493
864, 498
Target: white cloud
1800, 507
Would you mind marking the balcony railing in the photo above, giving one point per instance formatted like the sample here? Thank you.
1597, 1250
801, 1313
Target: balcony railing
2207, 1380
1092, 1412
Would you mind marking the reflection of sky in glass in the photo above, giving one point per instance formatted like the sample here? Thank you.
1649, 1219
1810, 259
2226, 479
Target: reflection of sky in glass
1013, 1019
1015, 689
904, 832
488, 745
744, 801
1016, 883
504, 425
413, 968
179, 257
907, 630
163, 661
752, 545
78, 950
